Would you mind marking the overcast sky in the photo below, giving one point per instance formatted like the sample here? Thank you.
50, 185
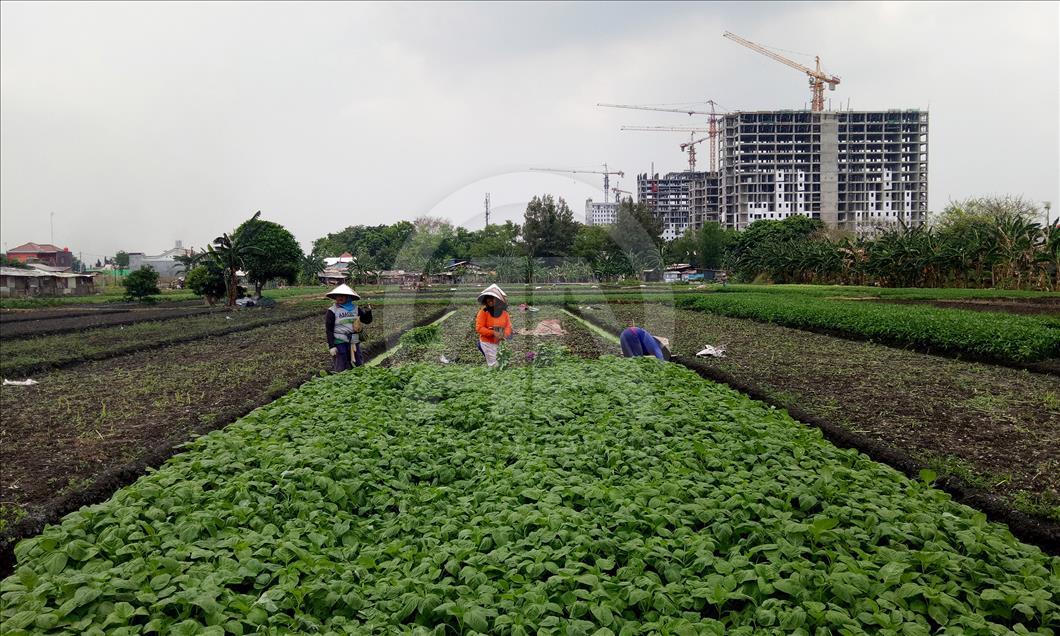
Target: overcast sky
138, 124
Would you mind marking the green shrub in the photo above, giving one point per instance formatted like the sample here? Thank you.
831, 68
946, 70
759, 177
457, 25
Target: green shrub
141, 284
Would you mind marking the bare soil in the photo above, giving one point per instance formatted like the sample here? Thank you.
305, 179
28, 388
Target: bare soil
56, 325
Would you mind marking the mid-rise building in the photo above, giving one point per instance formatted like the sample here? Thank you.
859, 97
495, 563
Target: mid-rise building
682, 200
853, 170
596, 213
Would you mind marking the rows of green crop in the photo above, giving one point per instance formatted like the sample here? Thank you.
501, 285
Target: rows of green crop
607, 497
906, 293
991, 335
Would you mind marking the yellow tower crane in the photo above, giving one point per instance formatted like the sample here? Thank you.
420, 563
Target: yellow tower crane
818, 78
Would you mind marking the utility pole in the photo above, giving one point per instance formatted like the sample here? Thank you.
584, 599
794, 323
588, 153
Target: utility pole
487, 209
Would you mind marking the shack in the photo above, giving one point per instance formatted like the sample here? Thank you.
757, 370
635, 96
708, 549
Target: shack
32, 283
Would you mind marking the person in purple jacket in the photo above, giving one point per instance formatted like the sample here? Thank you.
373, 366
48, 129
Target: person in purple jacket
636, 341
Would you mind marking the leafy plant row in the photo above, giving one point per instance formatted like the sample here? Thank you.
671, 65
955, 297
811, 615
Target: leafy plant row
991, 335
608, 497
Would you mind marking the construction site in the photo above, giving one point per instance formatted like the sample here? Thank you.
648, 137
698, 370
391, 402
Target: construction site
854, 170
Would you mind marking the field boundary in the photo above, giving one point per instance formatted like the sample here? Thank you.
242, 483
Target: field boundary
187, 313
1048, 366
1042, 533
109, 481
131, 349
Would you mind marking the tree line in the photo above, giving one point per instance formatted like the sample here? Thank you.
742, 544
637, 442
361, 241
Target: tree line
983, 242
988, 242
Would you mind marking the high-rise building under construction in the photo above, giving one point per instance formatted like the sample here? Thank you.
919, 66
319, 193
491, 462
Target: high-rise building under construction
853, 170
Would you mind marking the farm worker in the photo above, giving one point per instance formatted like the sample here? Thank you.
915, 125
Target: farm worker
342, 325
636, 341
493, 323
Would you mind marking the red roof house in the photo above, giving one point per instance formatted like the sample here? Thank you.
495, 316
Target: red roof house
42, 253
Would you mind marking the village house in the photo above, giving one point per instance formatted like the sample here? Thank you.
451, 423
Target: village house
28, 283
43, 253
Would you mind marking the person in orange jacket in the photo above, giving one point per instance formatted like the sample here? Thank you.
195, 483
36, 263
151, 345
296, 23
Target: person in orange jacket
492, 323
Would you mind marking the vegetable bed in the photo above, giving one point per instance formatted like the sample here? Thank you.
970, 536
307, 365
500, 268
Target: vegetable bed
994, 336
605, 497
457, 339
30, 355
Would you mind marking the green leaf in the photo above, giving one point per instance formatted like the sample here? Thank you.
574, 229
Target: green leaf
928, 476
475, 618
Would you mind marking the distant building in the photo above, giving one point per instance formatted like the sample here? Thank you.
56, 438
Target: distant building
43, 253
340, 261
681, 200
854, 170
600, 213
16, 282
164, 263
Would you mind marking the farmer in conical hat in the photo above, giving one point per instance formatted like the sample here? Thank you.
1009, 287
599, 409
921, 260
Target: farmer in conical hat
493, 323
342, 324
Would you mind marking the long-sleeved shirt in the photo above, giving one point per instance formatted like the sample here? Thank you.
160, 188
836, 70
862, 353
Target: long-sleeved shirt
485, 322
329, 323
638, 342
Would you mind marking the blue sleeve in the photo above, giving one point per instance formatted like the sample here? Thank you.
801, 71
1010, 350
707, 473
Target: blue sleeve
650, 344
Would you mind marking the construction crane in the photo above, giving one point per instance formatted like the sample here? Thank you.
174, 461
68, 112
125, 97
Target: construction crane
618, 191
712, 123
690, 146
607, 173
818, 78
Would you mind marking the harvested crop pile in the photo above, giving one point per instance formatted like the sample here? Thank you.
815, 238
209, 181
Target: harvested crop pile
544, 328
609, 497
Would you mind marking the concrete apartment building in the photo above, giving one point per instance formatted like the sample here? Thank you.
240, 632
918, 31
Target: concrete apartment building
600, 213
853, 170
681, 199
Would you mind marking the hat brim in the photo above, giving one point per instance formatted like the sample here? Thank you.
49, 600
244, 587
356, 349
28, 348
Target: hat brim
354, 295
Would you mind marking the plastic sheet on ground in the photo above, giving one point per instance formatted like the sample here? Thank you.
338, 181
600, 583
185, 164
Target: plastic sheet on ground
710, 351
27, 382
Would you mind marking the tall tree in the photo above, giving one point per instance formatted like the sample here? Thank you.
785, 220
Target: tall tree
549, 227
230, 254
712, 240
278, 254
121, 259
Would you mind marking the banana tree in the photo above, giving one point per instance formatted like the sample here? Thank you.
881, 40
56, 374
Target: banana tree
229, 252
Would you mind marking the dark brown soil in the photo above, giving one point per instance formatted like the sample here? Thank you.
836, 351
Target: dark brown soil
56, 325
9, 316
1027, 306
995, 428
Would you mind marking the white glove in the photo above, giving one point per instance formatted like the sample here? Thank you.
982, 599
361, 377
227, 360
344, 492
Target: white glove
333, 351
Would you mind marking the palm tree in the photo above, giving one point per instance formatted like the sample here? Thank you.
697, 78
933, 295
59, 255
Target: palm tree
229, 252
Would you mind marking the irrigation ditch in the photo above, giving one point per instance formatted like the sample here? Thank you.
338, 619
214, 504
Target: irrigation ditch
110, 480
1040, 532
